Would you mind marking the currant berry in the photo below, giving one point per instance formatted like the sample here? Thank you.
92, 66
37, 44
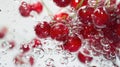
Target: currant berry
25, 9
118, 9
42, 30
88, 30
61, 17
62, 3
2, 35
59, 31
118, 6
85, 13
25, 48
82, 58
110, 34
18, 60
31, 60
73, 44
3, 32
112, 2
100, 17
37, 7
76, 4
118, 29
37, 43
12, 44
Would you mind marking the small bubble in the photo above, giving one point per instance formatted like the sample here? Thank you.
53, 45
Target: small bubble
4, 52
39, 52
49, 62
64, 60
106, 48
70, 57
112, 54
4, 44
58, 50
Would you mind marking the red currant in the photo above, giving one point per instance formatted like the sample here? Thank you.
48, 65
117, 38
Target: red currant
18, 60
25, 9
118, 29
76, 4
61, 17
118, 9
88, 30
100, 17
82, 58
42, 30
84, 14
31, 61
62, 3
2, 35
25, 48
12, 44
37, 43
59, 31
3, 32
37, 7
110, 34
113, 2
73, 44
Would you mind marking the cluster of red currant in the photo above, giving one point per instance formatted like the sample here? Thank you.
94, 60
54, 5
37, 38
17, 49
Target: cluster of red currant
98, 23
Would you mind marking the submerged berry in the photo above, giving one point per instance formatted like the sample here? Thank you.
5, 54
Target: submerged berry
100, 17
62, 3
88, 30
76, 4
84, 59
38, 7
59, 31
25, 9
25, 48
85, 14
3, 32
42, 30
61, 17
73, 44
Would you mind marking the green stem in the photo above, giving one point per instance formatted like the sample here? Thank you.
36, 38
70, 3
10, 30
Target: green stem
80, 4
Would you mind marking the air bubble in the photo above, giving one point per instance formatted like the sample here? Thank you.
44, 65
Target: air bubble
64, 60
4, 52
4, 44
105, 41
39, 52
112, 54
106, 48
58, 50
70, 57
49, 62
